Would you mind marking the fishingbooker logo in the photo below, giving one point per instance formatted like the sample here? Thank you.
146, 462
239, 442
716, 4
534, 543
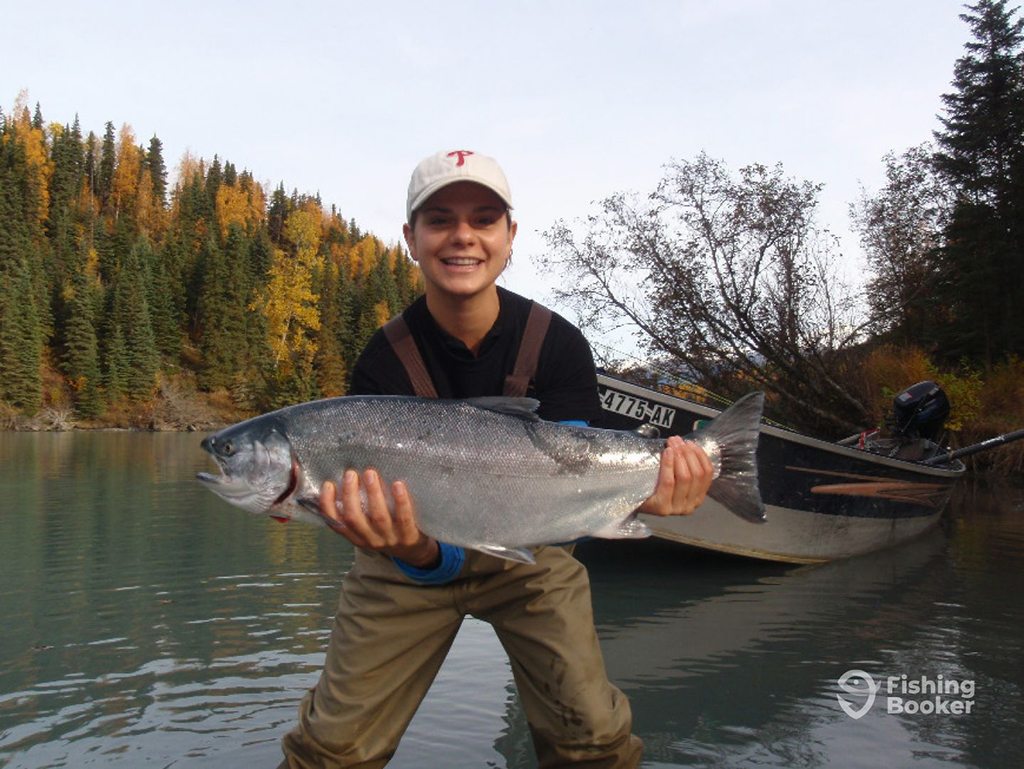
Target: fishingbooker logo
869, 689
905, 695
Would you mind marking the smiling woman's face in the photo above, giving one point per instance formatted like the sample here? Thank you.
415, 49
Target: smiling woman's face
461, 240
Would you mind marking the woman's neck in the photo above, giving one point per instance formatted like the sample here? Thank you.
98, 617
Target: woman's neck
468, 319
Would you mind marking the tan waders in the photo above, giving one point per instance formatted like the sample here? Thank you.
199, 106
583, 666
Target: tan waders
391, 635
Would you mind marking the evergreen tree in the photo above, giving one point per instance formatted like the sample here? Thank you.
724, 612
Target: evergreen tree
66, 176
14, 231
981, 156
65, 183
261, 257
131, 318
252, 386
406, 280
23, 210
330, 364
106, 252
214, 179
194, 225
21, 338
163, 310
221, 311
115, 368
379, 300
108, 157
347, 305
983, 128
385, 278
157, 170
277, 214
91, 167
81, 359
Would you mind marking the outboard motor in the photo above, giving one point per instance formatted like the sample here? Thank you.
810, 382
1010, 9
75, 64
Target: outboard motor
919, 412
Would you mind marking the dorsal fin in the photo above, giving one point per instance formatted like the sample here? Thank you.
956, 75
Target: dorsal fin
524, 408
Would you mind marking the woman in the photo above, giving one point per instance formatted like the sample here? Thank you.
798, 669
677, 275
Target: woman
406, 595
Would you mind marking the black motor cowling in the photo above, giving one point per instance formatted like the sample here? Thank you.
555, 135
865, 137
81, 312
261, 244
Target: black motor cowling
919, 412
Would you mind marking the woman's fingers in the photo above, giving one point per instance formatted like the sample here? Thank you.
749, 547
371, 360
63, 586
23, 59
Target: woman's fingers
334, 517
378, 514
405, 515
371, 524
684, 475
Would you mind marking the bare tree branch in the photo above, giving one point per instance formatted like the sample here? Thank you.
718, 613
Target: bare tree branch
730, 276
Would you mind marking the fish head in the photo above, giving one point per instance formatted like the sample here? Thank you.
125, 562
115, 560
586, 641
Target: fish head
258, 470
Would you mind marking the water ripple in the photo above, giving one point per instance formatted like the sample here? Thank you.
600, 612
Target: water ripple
147, 622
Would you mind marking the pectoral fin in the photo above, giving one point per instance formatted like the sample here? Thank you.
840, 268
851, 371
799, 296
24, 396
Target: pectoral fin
520, 554
312, 504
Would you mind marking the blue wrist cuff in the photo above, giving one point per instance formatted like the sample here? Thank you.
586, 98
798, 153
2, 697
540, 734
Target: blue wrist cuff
452, 558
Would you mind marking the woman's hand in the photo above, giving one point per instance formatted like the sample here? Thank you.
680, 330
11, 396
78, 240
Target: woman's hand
683, 480
375, 528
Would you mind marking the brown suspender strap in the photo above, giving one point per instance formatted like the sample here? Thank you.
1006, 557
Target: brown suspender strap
397, 332
529, 351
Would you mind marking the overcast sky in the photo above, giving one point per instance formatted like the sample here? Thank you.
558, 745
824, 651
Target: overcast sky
575, 99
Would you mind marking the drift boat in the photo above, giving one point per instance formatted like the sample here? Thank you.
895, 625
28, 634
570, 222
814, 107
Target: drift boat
823, 500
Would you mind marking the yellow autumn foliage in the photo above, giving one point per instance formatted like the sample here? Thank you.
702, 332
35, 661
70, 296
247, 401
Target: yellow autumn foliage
303, 229
40, 169
340, 258
188, 166
888, 370
149, 213
238, 206
383, 313
363, 256
125, 184
289, 302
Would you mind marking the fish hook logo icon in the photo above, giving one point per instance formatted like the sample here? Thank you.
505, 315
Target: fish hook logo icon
870, 689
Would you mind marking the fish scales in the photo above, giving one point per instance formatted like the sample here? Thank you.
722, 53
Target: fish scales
483, 473
459, 460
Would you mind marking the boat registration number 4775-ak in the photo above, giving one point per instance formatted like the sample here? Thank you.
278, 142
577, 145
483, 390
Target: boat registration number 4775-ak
637, 408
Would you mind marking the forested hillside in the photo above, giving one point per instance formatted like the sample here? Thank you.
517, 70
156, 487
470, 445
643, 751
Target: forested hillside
121, 282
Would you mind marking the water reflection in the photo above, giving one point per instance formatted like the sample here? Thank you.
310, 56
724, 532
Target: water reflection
750, 650
740, 666
144, 619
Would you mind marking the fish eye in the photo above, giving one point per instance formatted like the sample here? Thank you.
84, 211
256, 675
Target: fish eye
227, 449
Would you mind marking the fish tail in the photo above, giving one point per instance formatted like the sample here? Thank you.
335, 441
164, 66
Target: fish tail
736, 432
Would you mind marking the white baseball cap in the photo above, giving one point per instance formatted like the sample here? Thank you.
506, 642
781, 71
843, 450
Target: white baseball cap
448, 167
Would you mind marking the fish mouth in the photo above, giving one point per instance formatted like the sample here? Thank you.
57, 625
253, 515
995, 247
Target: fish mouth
229, 487
213, 479
224, 485
210, 479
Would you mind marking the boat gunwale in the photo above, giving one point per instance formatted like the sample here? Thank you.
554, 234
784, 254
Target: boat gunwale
783, 433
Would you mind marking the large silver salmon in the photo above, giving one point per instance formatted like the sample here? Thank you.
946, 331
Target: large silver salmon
483, 473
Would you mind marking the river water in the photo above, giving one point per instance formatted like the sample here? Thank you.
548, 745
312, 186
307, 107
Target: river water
144, 621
